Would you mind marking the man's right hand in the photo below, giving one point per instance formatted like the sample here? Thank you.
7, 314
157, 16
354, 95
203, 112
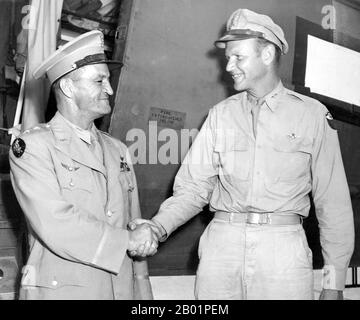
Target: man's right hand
156, 228
142, 241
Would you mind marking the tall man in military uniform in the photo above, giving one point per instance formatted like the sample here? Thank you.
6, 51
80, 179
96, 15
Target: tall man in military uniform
256, 159
77, 189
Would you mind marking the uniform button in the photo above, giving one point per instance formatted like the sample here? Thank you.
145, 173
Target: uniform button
54, 283
109, 214
71, 169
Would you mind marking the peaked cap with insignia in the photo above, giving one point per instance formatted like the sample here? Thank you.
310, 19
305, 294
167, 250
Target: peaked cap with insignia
86, 49
247, 24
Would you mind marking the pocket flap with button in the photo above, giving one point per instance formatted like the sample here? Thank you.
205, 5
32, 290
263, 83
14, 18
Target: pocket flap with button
291, 159
72, 180
286, 144
234, 154
231, 143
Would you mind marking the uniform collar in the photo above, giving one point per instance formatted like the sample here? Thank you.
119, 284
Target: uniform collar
69, 142
84, 135
271, 99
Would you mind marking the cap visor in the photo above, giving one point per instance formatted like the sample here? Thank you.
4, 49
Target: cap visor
232, 37
112, 65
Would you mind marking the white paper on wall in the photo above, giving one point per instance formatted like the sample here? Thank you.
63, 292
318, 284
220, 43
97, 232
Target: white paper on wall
333, 70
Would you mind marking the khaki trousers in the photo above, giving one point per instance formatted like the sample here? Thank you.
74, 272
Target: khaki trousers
254, 262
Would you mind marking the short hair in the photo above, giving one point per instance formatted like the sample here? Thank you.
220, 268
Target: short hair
74, 75
55, 87
262, 43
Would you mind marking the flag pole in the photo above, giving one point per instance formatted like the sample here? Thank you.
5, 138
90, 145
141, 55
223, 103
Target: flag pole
19, 105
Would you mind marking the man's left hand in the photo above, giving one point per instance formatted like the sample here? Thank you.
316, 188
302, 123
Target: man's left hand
328, 294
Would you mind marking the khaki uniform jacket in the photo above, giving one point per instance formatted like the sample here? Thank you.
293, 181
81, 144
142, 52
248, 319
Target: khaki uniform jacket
78, 241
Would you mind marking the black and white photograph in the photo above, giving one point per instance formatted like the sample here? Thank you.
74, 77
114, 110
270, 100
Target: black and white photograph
191, 152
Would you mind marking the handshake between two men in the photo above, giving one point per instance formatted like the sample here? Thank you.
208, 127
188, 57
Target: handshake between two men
144, 236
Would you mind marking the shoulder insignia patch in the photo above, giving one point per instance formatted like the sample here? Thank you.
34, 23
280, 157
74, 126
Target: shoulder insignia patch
330, 119
18, 147
329, 116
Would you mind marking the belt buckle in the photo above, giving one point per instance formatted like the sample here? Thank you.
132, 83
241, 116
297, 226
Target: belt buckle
258, 218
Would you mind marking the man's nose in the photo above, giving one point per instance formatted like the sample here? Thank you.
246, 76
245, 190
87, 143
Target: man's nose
107, 88
230, 65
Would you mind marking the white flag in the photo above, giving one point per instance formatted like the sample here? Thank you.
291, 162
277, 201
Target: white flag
43, 25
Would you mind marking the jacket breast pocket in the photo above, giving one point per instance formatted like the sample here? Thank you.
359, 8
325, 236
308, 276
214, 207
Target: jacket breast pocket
291, 159
76, 181
234, 155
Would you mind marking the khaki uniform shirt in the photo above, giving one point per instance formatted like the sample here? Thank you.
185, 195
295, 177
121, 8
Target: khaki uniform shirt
295, 152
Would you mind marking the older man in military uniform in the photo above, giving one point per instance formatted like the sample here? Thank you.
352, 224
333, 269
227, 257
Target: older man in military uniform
77, 189
256, 159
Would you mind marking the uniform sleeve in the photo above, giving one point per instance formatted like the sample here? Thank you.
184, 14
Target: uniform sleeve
69, 231
142, 285
332, 203
194, 181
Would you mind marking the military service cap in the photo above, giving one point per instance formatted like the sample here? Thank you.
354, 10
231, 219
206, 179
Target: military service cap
246, 24
86, 49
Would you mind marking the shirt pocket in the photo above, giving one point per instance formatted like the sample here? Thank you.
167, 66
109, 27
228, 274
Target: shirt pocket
234, 156
292, 158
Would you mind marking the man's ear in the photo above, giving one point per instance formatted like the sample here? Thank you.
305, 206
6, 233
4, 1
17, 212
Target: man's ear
268, 54
66, 86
